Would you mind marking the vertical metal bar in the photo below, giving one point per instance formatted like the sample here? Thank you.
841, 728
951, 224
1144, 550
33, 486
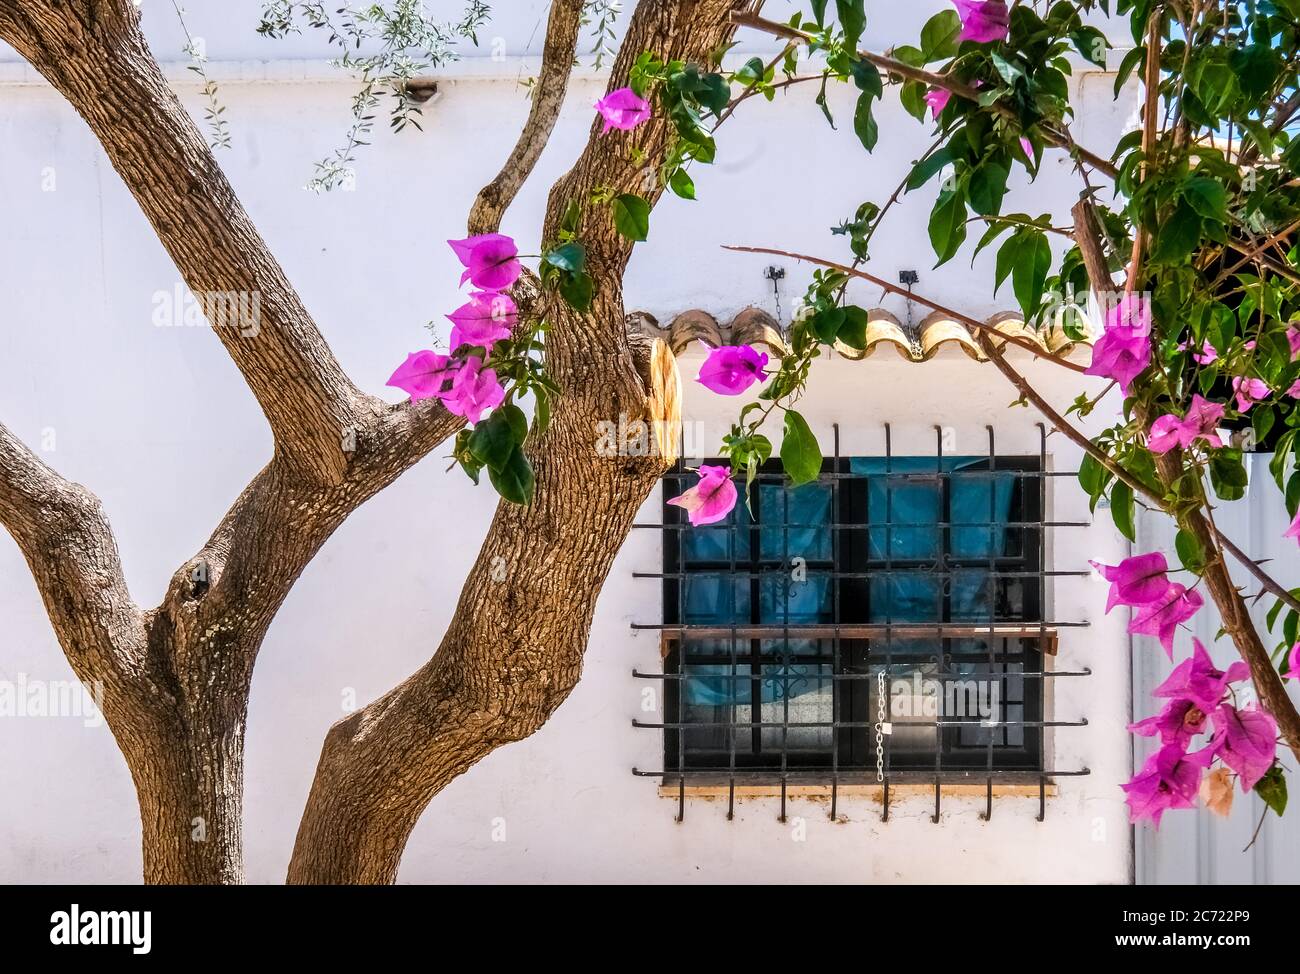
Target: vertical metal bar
1042, 613
889, 605
992, 613
945, 600
682, 683
835, 615
787, 580
733, 685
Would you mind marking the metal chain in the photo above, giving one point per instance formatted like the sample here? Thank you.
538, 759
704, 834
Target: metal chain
880, 724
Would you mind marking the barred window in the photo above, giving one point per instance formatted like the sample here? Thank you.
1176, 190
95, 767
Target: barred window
781, 621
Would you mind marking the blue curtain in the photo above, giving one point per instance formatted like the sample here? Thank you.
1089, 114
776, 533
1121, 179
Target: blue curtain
795, 522
904, 524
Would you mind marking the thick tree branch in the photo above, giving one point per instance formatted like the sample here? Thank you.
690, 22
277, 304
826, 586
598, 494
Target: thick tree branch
549, 90
514, 647
96, 56
65, 537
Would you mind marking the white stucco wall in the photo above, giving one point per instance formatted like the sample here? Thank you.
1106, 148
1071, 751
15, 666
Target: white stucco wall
159, 424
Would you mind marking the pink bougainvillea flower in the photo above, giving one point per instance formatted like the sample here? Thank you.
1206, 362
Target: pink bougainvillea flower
1293, 664
1294, 391
1293, 339
1027, 147
487, 317
1294, 530
491, 260
1201, 422
1200, 681
1124, 349
473, 390
1246, 741
1171, 778
422, 375
1205, 356
1179, 722
1163, 617
1248, 392
982, 21
710, 500
623, 109
1138, 581
937, 99
731, 369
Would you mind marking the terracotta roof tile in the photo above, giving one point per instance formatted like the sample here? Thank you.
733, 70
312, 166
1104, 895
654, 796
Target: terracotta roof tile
754, 326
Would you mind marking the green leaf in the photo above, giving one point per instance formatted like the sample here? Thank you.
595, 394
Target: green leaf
680, 182
988, 184
1029, 273
819, 12
1207, 197
1189, 551
853, 332
1228, 475
514, 481
1121, 509
853, 18
912, 98
947, 225
939, 36
493, 440
1272, 788
864, 123
800, 454
577, 290
567, 257
927, 167
632, 216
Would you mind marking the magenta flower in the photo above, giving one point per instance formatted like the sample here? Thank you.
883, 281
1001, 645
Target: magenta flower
1246, 741
1248, 392
1294, 530
982, 21
1294, 391
1199, 680
1171, 778
731, 369
622, 109
491, 260
1293, 339
1137, 581
1205, 356
937, 99
473, 390
1179, 722
1201, 422
486, 318
422, 375
1293, 664
1163, 617
1124, 349
710, 500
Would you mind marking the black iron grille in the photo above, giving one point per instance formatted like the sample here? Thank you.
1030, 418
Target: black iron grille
919, 582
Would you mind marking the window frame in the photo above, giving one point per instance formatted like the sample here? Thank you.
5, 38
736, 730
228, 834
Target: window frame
851, 750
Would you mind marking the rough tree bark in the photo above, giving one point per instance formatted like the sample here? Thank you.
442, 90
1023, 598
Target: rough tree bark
514, 649
175, 679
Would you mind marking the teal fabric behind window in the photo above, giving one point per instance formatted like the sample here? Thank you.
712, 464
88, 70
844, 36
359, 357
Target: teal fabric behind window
905, 528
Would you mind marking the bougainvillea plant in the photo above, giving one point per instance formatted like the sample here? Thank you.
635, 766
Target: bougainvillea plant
1182, 265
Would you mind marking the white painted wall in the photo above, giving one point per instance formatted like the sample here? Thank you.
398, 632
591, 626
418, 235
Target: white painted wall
160, 425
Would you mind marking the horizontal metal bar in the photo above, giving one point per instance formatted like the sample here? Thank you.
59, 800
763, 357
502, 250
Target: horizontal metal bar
852, 724
864, 525
941, 674
861, 630
784, 571
897, 777
919, 476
